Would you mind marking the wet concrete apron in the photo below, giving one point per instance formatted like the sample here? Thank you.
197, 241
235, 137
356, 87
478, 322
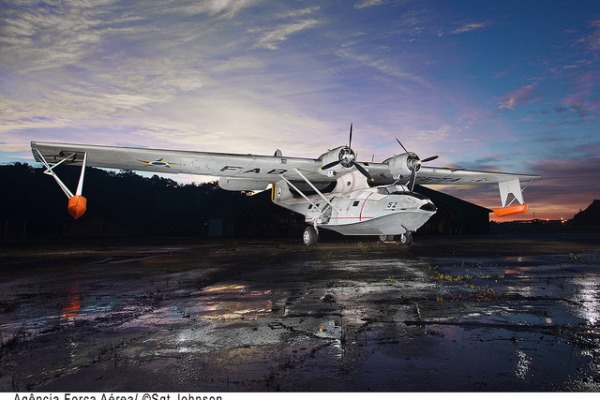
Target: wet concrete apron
466, 314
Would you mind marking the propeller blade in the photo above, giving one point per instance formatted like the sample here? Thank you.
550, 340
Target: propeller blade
406, 151
350, 140
331, 164
363, 171
413, 176
429, 159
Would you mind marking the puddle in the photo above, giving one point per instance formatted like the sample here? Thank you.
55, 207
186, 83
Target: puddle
313, 322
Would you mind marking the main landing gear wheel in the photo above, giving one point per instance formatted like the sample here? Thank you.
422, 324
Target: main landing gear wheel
386, 238
310, 236
406, 238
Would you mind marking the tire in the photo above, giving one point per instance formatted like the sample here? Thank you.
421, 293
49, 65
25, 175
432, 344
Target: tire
310, 236
406, 238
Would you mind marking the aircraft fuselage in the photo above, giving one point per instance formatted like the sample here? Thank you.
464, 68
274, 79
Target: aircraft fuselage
384, 210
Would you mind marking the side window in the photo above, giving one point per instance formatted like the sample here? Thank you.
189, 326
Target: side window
356, 203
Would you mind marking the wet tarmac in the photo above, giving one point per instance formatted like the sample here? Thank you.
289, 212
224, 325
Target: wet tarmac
483, 313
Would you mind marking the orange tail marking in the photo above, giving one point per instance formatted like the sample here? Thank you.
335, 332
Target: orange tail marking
518, 209
77, 206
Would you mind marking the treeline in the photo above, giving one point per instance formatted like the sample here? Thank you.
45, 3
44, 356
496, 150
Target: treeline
126, 204
588, 217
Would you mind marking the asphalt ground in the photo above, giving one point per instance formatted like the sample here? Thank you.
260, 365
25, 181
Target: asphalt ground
479, 313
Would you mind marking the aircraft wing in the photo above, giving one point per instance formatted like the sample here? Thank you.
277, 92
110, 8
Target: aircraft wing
243, 166
249, 172
246, 168
508, 183
447, 176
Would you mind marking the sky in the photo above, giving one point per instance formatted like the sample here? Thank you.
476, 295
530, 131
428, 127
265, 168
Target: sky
491, 85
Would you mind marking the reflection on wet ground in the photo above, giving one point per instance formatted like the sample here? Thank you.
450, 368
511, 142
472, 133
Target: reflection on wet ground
467, 314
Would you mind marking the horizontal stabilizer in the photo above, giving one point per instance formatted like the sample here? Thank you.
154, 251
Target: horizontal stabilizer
512, 210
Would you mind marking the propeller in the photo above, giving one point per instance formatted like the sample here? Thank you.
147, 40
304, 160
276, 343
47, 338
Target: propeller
414, 164
347, 157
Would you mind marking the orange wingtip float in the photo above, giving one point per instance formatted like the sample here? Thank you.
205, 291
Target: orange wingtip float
77, 206
519, 209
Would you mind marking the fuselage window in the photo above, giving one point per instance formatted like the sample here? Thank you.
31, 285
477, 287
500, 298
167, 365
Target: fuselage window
355, 203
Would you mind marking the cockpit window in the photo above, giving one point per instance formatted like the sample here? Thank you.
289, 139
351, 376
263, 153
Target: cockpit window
393, 189
399, 190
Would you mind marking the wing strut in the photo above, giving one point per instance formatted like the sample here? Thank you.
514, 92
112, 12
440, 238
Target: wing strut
313, 187
322, 210
298, 190
77, 204
511, 187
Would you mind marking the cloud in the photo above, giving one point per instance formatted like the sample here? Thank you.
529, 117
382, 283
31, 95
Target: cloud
576, 174
46, 36
385, 66
489, 163
272, 38
119, 91
471, 26
228, 8
591, 42
154, 76
438, 134
565, 185
216, 8
583, 98
524, 94
368, 3
300, 13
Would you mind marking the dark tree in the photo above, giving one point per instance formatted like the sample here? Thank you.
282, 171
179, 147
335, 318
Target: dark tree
126, 204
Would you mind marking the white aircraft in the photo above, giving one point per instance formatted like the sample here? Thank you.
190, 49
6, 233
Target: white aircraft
333, 192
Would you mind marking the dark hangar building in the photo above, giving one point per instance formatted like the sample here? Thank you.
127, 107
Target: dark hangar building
454, 216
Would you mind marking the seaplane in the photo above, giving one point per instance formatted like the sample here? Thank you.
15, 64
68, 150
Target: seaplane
333, 192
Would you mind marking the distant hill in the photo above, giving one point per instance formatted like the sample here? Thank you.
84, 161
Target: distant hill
588, 217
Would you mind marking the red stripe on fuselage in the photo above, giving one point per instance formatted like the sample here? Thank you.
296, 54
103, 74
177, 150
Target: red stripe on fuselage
360, 217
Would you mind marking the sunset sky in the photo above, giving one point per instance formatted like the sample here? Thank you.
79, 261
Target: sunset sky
493, 85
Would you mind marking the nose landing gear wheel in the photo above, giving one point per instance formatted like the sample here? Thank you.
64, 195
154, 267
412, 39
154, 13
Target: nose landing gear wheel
406, 238
310, 236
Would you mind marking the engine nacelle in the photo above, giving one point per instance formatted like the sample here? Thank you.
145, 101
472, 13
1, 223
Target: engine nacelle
401, 166
343, 154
